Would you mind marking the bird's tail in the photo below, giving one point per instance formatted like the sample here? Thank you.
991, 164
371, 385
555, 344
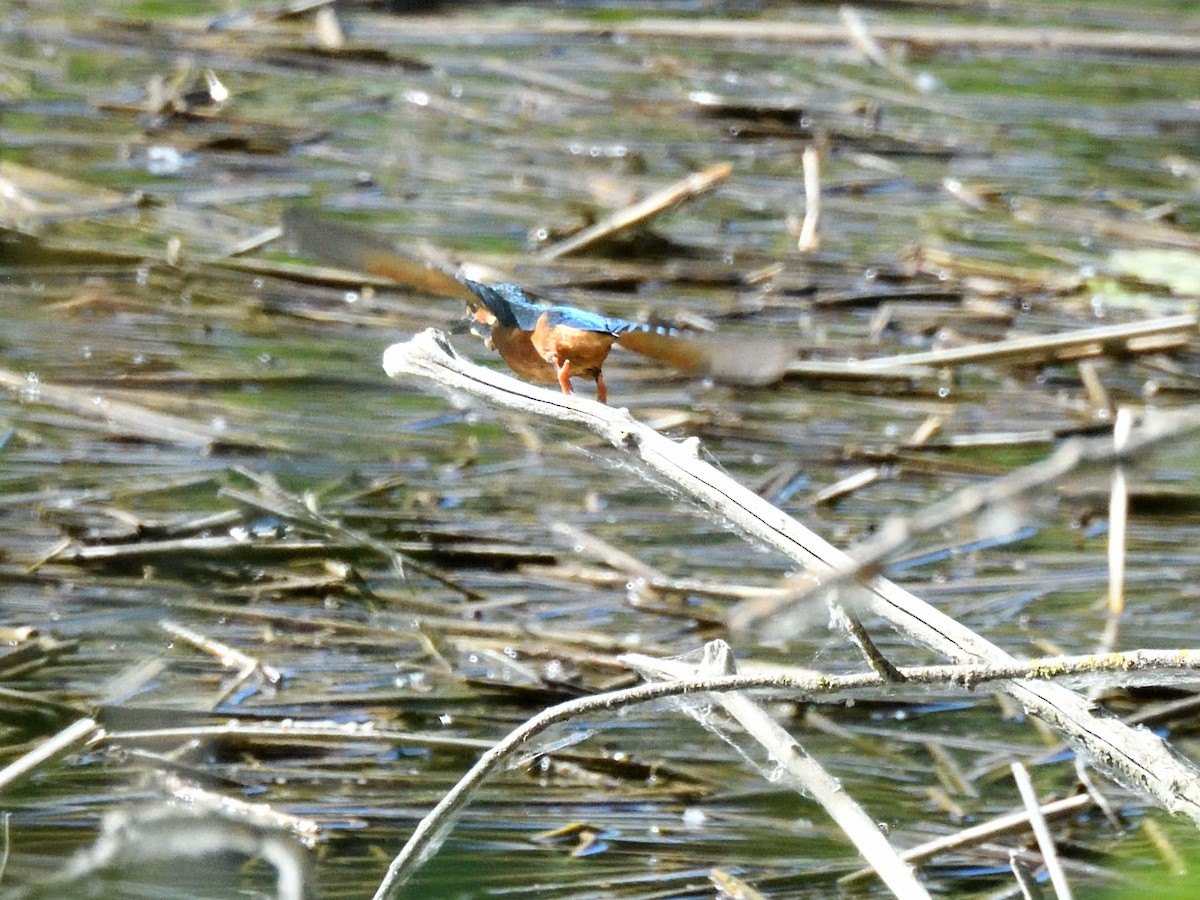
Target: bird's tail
733, 360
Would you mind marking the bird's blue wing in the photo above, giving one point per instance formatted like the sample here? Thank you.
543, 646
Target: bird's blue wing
513, 309
573, 317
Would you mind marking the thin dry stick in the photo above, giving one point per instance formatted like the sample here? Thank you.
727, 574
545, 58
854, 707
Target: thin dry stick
1139, 667
1166, 849
1131, 668
1118, 513
1093, 386
1086, 341
783, 749
810, 238
999, 36
1041, 831
848, 485
5, 842
1010, 37
260, 814
1093, 790
685, 189
858, 635
853, 371
925, 431
328, 29
611, 556
731, 886
1011, 823
1101, 221
993, 37
229, 657
1026, 878
1134, 757
194, 547
34, 198
60, 743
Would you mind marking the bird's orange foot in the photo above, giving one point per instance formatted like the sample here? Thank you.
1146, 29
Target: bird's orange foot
601, 389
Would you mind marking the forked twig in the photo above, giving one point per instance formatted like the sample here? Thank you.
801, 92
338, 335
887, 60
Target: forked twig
1134, 757
816, 685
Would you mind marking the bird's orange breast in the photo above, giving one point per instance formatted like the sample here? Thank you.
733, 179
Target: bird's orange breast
517, 349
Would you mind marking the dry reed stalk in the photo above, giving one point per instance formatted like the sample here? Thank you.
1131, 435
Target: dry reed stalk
1001, 826
864, 42
927, 37
44, 752
229, 657
1029, 349
810, 238
660, 201
1058, 878
1118, 517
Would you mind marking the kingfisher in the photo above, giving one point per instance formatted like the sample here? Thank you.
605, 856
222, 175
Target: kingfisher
557, 343
543, 343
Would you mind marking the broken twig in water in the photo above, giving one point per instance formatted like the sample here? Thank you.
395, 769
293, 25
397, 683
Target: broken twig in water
229, 657
810, 237
60, 743
864, 42
686, 188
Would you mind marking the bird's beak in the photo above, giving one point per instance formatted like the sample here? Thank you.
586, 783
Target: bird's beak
475, 326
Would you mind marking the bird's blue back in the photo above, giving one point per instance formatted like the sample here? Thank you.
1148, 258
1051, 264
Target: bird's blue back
513, 309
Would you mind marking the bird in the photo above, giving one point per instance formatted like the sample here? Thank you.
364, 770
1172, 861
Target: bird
549, 344
542, 343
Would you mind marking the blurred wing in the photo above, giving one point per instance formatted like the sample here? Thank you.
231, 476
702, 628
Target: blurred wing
731, 360
348, 247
